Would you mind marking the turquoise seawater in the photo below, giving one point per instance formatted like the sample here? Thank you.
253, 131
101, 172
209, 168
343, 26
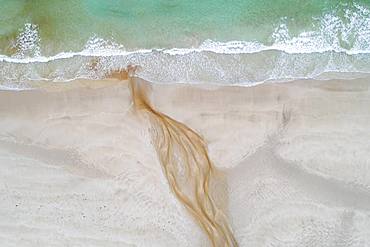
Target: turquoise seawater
235, 41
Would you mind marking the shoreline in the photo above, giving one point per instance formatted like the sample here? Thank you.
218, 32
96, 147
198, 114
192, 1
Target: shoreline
292, 147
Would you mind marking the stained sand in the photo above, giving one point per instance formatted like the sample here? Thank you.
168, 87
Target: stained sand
78, 166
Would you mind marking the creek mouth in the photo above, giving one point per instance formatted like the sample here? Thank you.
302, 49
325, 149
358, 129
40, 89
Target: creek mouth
185, 162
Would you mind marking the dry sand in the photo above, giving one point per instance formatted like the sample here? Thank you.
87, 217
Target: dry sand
77, 166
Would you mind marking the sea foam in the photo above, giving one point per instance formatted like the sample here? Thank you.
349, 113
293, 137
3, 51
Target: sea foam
337, 47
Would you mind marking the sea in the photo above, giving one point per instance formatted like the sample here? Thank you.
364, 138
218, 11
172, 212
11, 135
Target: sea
227, 42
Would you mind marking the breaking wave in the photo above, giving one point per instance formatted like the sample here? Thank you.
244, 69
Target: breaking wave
336, 48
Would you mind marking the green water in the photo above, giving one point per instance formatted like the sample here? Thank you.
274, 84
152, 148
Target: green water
235, 41
67, 25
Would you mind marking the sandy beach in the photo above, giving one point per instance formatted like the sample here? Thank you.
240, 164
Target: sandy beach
164, 123
78, 166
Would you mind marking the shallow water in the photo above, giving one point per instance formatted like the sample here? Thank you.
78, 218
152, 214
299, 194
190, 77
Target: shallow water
67, 25
229, 42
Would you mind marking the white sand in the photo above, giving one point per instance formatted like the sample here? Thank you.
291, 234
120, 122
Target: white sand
77, 167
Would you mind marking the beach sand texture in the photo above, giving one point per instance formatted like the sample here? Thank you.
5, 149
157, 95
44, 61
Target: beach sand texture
78, 166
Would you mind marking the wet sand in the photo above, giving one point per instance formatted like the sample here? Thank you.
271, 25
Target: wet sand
78, 166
